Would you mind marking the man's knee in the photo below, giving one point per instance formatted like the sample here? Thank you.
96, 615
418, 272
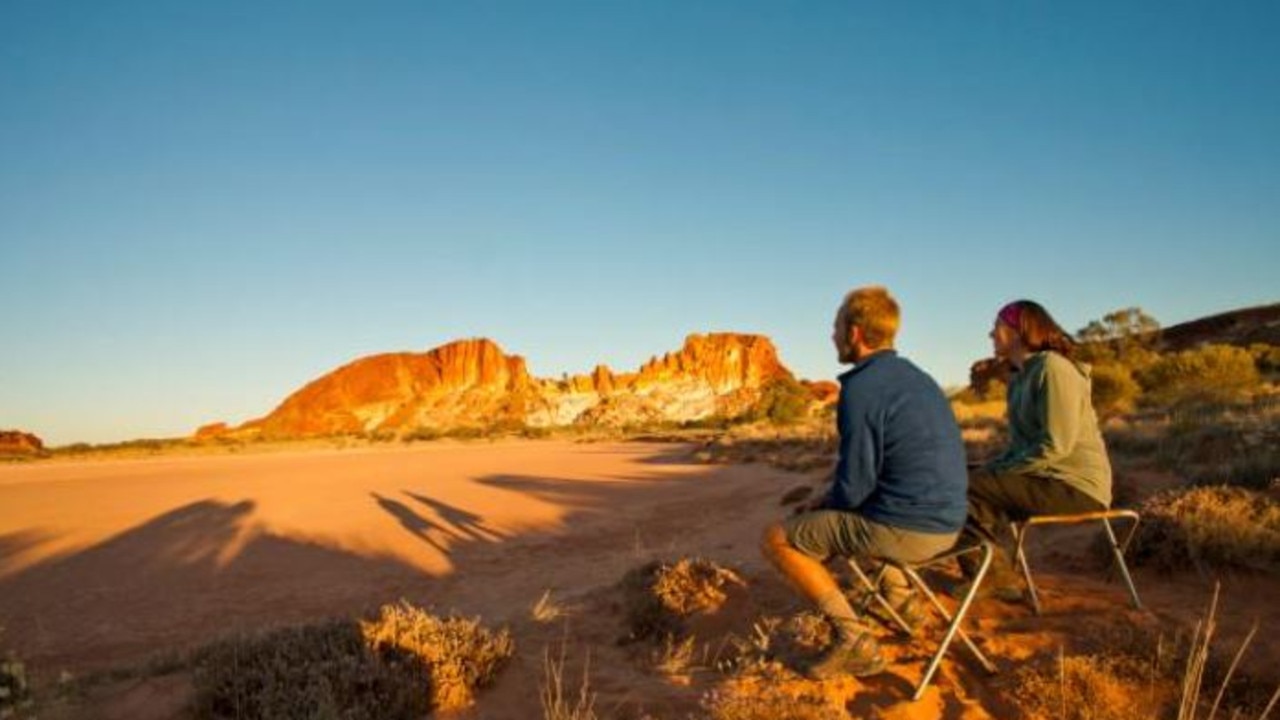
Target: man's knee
774, 540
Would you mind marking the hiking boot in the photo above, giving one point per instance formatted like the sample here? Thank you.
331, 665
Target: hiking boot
909, 607
857, 655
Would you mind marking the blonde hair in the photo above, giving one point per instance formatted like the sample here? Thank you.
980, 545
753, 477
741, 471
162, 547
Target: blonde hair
875, 311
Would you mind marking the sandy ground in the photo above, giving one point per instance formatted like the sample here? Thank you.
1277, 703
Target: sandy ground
103, 564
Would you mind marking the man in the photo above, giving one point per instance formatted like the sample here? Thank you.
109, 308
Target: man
899, 485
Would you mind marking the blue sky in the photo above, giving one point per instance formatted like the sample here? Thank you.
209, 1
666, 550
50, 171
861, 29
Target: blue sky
203, 206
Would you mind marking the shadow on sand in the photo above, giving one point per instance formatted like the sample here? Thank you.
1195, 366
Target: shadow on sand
209, 568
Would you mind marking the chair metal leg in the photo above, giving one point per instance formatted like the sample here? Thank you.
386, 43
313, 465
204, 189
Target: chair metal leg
1118, 548
953, 622
1118, 551
1020, 552
873, 590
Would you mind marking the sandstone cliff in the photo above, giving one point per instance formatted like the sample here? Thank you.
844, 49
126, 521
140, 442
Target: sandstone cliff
473, 383
468, 382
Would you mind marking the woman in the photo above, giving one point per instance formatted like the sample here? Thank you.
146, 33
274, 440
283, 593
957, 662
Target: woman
1056, 462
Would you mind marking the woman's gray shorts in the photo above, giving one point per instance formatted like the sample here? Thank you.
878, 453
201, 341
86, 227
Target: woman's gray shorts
821, 534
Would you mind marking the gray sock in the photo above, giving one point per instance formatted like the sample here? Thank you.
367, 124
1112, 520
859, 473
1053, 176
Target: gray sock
837, 609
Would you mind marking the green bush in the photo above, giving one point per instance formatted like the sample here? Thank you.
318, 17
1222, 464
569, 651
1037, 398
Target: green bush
1115, 392
1211, 373
783, 402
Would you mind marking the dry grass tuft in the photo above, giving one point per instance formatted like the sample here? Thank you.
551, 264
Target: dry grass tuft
313, 671
775, 641
547, 610
1209, 527
399, 665
767, 692
460, 654
15, 694
659, 596
1210, 444
556, 703
1096, 687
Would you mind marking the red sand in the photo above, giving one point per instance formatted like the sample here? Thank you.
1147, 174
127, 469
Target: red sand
103, 564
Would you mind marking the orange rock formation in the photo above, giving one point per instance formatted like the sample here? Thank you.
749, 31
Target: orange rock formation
472, 383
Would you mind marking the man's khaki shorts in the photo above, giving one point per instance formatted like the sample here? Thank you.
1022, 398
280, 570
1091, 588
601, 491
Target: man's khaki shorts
821, 534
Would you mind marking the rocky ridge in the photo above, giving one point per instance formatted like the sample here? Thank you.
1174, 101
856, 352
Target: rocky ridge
474, 384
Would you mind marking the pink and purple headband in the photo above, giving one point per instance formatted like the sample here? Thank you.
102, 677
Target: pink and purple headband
1011, 315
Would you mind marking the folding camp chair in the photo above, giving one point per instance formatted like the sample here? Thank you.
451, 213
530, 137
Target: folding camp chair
1105, 517
984, 549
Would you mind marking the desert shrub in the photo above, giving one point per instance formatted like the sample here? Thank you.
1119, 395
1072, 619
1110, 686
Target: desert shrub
795, 452
659, 596
1257, 470
1237, 444
775, 639
399, 665
460, 654
1114, 389
466, 433
1266, 357
783, 401
1211, 373
315, 671
1209, 526
1095, 687
768, 692
422, 434
534, 432
994, 392
1134, 438
15, 693
505, 426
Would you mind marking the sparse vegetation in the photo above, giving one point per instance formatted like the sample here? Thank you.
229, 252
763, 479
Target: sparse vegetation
800, 448
1115, 392
398, 665
556, 702
659, 596
322, 670
768, 691
460, 654
15, 695
782, 402
1208, 527
546, 609
1096, 687
1211, 373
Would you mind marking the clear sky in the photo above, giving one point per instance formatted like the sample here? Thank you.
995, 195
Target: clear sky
204, 205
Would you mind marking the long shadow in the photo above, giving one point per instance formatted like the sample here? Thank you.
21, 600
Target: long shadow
417, 525
462, 523
209, 568
185, 577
